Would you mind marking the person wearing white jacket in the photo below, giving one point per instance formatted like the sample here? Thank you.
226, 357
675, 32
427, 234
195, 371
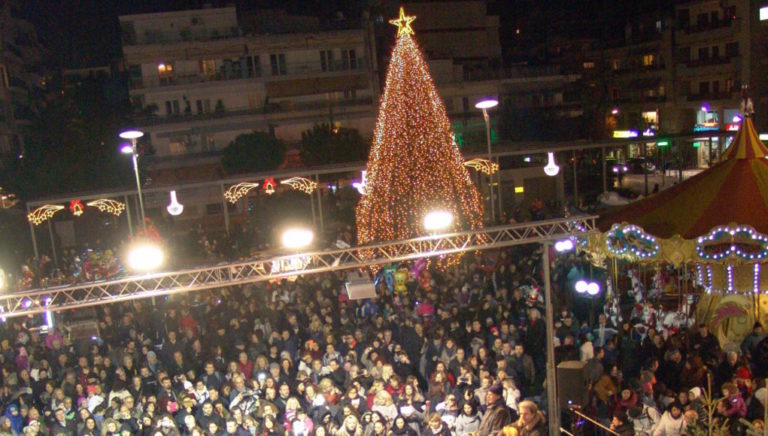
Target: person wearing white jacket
671, 422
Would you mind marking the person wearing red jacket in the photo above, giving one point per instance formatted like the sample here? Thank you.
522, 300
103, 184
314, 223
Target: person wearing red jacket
736, 407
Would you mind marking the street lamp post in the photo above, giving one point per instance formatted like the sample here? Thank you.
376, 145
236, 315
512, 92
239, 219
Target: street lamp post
484, 105
133, 136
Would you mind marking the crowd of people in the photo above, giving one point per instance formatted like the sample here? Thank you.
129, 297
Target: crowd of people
461, 354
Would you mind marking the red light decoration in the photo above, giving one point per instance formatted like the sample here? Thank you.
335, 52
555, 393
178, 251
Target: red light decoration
76, 206
269, 186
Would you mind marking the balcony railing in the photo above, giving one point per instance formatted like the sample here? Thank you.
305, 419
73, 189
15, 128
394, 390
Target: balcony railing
271, 108
265, 71
717, 60
709, 26
721, 95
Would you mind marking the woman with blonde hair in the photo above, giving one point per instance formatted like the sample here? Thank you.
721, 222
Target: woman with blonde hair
383, 404
350, 427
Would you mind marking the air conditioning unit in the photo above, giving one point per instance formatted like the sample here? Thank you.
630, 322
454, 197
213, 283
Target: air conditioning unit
359, 286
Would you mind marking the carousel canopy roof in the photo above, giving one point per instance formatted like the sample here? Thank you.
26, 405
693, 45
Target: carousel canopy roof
733, 191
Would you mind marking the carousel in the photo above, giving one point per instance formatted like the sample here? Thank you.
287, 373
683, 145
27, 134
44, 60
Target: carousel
705, 239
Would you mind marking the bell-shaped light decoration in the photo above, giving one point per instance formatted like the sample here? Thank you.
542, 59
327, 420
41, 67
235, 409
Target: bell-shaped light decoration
175, 208
552, 168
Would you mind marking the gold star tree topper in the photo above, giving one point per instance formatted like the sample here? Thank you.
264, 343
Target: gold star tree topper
403, 23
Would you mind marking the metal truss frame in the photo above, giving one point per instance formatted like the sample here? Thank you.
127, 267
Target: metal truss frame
252, 271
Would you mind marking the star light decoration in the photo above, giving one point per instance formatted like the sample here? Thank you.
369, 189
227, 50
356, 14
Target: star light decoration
483, 165
108, 205
236, 192
403, 23
300, 184
43, 213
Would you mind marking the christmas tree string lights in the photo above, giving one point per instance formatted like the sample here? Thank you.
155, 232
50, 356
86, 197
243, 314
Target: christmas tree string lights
414, 166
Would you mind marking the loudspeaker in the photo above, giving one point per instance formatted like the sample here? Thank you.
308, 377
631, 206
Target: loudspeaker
571, 383
359, 286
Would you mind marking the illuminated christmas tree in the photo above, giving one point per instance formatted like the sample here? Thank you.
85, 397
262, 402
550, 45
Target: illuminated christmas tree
415, 166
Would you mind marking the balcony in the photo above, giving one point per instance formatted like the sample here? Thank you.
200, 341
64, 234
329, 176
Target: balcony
718, 60
709, 26
291, 70
271, 108
722, 95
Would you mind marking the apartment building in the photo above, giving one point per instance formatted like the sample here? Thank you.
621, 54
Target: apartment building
20, 59
198, 81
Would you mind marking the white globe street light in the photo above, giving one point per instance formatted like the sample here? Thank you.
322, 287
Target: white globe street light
552, 168
145, 256
131, 149
131, 134
587, 287
297, 238
484, 105
438, 220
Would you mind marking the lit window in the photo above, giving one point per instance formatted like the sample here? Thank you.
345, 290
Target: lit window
164, 70
648, 60
589, 65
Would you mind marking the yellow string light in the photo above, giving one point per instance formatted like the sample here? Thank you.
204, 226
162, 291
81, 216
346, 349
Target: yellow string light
107, 205
403, 23
482, 165
300, 184
236, 192
43, 213
414, 166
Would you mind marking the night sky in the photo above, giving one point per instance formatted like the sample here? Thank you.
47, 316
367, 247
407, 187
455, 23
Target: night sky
85, 33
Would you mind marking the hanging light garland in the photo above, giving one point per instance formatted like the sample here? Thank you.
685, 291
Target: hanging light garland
742, 242
43, 213
236, 192
107, 205
631, 240
300, 184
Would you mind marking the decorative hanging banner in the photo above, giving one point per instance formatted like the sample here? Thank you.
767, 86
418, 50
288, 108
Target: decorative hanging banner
300, 184
107, 205
43, 213
236, 192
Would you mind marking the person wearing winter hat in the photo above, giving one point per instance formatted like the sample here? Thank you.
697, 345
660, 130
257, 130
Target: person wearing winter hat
497, 414
621, 425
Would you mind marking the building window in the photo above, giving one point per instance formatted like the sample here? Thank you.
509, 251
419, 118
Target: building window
350, 94
703, 88
168, 108
208, 68
164, 70
703, 53
588, 65
177, 146
648, 60
702, 20
616, 94
175, 107
277, 62
728, 85
615, 65
326, 60
732, 49
715, 52
199, 106
715, 87
349, 59
254, 66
